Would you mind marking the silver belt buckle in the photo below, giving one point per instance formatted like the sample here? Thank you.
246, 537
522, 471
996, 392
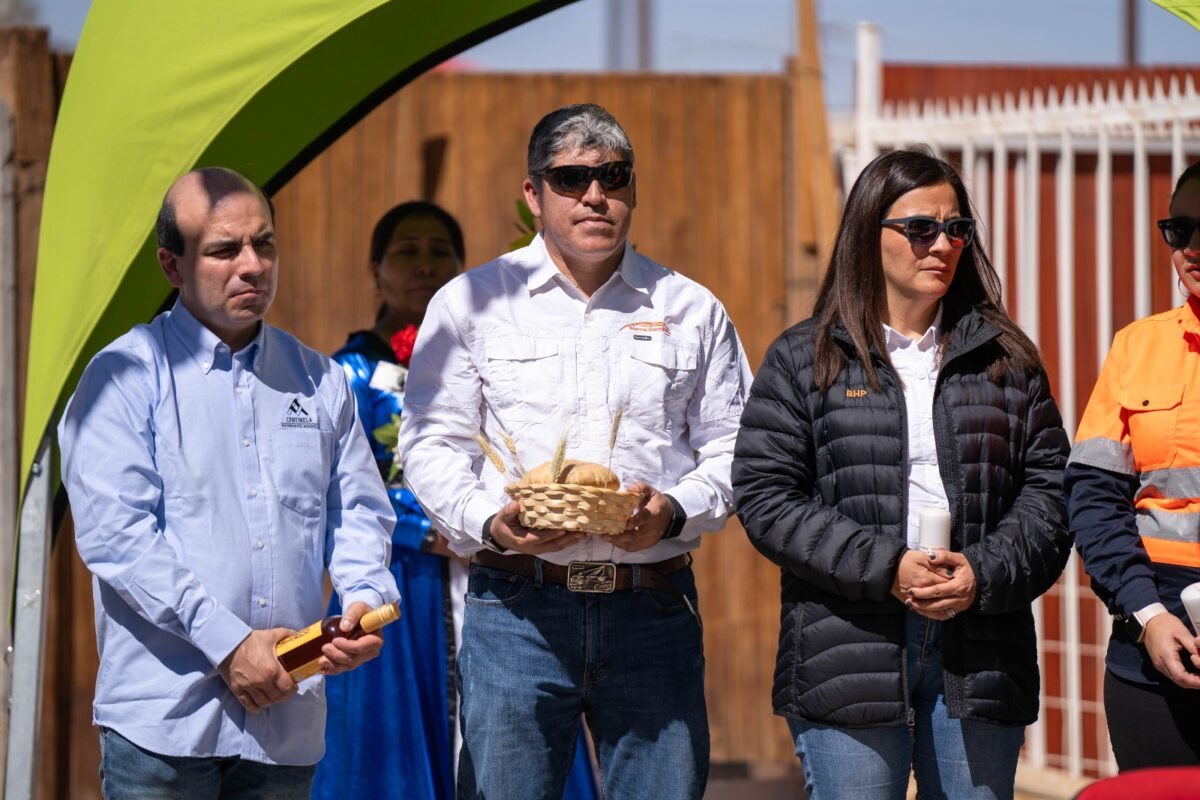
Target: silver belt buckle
599, 577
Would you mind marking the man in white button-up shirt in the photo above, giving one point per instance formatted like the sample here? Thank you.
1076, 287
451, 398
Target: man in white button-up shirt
551, 341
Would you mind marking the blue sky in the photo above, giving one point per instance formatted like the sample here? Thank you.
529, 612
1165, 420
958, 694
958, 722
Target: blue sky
757, 35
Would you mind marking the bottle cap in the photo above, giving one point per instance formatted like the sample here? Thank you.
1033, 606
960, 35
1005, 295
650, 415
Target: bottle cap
374, 620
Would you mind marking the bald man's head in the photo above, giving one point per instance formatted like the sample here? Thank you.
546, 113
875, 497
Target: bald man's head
201, 190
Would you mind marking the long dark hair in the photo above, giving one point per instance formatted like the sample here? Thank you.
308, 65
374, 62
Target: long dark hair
853, 291
397, 214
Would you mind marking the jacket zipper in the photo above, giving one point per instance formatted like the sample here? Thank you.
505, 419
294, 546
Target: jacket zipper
910, 714
943, 437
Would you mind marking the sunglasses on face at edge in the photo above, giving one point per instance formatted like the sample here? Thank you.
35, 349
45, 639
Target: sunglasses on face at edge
1177, 231
577, 178
924, 231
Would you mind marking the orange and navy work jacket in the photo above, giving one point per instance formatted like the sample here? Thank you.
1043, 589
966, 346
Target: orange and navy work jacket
1133, 479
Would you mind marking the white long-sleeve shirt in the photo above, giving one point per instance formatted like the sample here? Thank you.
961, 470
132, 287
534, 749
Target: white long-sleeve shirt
514, 346
917, 363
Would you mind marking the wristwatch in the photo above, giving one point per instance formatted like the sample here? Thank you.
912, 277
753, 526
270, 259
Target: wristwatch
678, 518
488, 540
1133, 628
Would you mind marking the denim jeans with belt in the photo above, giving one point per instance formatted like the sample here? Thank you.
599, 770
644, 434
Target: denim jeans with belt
536, 656
951, 758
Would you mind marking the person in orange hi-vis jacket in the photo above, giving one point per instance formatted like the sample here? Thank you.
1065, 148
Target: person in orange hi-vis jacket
1133, 487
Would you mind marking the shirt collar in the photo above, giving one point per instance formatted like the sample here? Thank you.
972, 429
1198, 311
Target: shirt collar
894, 340
1190, 317
204, 345
543, 269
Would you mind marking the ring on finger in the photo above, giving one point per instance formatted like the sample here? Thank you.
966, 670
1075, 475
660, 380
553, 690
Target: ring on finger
950, 613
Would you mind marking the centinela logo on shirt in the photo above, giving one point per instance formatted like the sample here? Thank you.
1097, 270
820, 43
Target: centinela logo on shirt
297, 417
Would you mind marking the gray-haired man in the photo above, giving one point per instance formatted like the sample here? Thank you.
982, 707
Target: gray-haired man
549, 341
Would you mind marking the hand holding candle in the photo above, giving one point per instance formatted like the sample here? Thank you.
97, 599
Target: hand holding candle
1191, 602
934, 532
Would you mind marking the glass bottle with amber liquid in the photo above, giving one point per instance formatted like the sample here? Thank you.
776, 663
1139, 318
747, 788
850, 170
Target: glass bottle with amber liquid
300, 653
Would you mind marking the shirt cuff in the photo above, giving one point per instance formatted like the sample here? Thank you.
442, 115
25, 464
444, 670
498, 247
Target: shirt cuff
219, 634
1137, 593
478, 513
694, 497
1148, 613
372, 598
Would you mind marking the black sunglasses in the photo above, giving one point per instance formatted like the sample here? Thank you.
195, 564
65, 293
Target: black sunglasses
576, 178
924, 231
1177, 231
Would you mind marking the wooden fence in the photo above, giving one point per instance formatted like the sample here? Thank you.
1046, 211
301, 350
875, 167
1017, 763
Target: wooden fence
726, 195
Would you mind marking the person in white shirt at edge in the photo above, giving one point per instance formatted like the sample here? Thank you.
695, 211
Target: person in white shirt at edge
216, 467
554, 340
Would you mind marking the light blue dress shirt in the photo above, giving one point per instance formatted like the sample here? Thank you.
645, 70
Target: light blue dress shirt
210, 491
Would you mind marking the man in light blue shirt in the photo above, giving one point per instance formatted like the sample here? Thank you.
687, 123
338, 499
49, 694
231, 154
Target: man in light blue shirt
216, 469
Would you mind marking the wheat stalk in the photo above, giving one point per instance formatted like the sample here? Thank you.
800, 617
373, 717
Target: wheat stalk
511, 444
557, 464
490, 452
612, 435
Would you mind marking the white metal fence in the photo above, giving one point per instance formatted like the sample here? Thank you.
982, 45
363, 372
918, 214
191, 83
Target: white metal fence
1003, 144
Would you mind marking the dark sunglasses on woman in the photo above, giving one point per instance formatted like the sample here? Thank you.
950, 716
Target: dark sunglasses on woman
576, 178
1177, 231
924, 231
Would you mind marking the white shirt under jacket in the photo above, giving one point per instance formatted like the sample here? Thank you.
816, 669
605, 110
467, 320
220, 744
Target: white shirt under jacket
515, 346
917, 363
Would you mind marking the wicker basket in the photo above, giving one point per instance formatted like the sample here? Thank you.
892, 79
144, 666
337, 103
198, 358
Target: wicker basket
571, 507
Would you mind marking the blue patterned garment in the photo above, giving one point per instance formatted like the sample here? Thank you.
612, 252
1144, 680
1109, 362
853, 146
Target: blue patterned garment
388, 732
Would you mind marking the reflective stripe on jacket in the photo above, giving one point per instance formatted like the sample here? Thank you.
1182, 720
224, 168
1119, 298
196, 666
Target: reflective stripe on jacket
1143, 421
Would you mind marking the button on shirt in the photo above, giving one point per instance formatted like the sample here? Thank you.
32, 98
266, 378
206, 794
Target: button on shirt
917, 363
514, 347
210, 491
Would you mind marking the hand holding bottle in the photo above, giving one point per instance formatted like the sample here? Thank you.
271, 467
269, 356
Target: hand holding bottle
254, 675
342, 654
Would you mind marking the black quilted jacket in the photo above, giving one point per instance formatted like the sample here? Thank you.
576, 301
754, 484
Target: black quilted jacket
819, 482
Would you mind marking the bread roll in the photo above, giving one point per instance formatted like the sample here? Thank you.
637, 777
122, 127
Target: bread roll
581, 473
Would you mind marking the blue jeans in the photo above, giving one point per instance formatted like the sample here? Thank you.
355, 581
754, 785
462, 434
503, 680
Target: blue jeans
129, 772
535, 656
951, 758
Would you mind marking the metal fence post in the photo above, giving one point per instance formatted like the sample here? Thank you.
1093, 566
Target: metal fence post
8, 407
29, 623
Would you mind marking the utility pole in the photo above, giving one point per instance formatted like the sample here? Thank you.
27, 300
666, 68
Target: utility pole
630, 34
1131, 33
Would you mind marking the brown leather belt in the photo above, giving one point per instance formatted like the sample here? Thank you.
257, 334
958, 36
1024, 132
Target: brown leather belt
589, 576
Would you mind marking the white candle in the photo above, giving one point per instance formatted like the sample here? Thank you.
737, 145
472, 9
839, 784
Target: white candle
934, 531
1191, 601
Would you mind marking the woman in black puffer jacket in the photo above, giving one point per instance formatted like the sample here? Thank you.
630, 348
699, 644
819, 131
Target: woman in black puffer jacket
910, 388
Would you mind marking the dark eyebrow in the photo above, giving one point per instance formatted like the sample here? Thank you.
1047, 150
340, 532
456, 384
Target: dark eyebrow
220, 244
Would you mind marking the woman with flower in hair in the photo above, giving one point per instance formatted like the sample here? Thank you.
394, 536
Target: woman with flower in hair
392, 724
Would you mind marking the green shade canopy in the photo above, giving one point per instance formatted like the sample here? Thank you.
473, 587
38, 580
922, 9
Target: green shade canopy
1187, 10
157, 88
